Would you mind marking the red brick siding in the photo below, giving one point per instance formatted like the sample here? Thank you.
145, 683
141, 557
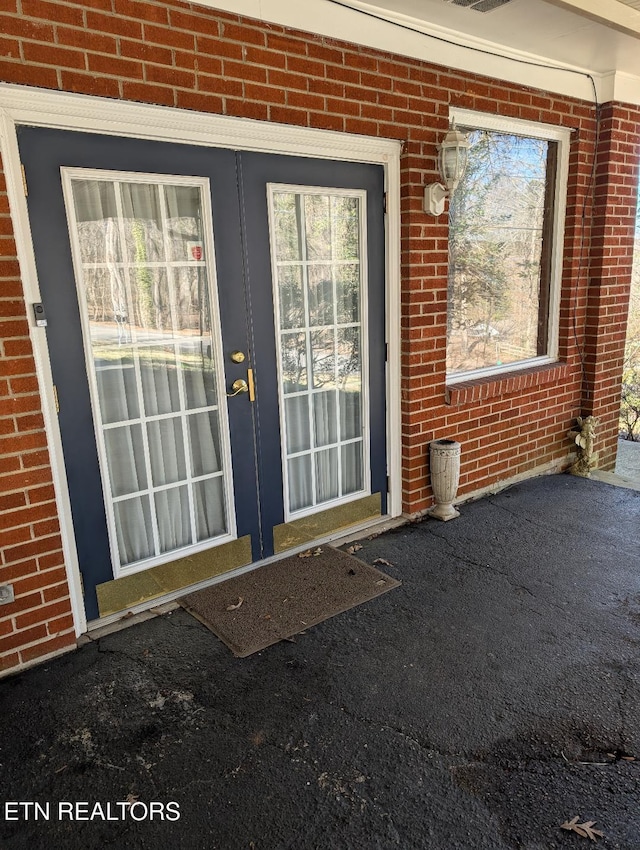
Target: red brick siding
171, 53
614, 215
39, 620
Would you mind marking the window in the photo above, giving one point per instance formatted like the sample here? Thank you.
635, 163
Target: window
505, 223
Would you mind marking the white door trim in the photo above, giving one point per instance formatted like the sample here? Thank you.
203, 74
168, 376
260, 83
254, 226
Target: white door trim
42, 108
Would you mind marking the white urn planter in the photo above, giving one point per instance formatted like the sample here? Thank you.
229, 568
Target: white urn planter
444, 464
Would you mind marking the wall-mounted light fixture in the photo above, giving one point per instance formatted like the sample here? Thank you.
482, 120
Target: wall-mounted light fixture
452, 163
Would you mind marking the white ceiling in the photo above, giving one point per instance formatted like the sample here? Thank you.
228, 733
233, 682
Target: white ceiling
562, 32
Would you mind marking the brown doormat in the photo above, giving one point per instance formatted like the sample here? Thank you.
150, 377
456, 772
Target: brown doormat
282, 599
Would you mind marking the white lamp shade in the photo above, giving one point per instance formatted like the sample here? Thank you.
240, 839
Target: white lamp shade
452, 158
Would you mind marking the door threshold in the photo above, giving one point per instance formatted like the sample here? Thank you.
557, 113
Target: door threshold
104, 626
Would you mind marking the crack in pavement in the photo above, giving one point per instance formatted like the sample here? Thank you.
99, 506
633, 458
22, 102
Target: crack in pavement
495, 571
427, 748
107, 651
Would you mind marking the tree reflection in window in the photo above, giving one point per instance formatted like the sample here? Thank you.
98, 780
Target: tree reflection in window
500, 226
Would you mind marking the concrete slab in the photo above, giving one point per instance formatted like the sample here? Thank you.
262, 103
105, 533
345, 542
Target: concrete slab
493, 696
628, 460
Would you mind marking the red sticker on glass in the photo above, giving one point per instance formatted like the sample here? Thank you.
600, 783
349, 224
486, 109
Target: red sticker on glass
195, 250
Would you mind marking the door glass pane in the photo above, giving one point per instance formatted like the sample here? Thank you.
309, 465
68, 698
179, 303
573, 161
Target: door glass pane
320, 294
159, 377
317, 215
349, 358
286, 222
347, 292
290, 296
346, 228
293, 360
350, 414
96, 214
323, 359
150, 304
191, 293
166, 451
174, 518
117, 390
204, 437
297, 418
125, 456
327, 474
324, 418
317, 250
143, 231
210, 510
134, 530
352, 467
197, 367
300, 482
184, 224
145, 280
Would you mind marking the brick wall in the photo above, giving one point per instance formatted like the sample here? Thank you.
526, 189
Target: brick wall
171, 53
39, 622
614, 214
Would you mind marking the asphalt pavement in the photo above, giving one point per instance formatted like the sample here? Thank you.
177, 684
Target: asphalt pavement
492, 697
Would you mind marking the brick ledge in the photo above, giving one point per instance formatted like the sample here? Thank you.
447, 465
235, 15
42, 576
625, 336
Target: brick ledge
480, 389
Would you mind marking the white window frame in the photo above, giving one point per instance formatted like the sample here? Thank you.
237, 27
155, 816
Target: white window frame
465, 119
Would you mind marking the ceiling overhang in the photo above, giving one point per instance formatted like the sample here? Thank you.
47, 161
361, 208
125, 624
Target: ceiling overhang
617, 14
380, 24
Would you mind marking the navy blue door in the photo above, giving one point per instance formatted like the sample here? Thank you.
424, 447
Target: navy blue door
169, 272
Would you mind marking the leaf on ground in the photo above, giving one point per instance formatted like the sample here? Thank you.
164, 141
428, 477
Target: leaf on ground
236, 606
317, 551
383, 561
306, 554
355, 548
585, 830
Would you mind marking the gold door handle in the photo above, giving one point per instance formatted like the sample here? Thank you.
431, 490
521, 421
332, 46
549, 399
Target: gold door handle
239, 386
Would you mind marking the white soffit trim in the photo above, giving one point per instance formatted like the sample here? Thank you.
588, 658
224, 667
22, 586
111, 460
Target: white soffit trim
624, 87
328, 19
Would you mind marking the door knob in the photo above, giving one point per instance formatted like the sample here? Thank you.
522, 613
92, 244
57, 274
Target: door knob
239, 386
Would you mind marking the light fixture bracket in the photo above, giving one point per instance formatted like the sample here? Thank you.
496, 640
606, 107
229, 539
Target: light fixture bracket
434, 196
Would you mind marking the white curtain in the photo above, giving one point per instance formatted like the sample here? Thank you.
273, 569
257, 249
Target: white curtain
316, 243
139, 341
331, 480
